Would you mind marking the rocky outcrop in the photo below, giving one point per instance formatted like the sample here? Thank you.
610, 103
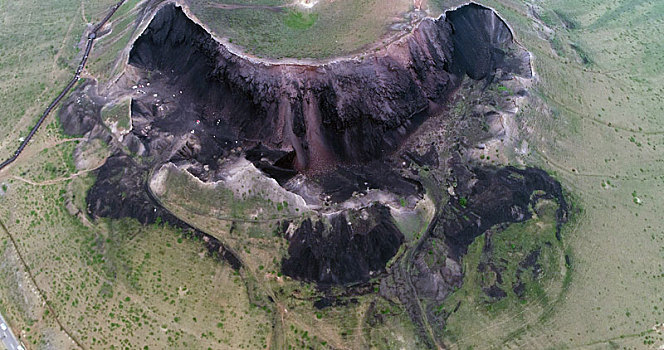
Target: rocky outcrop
340, 136
484, 200
350, 247
121, 192
482, 42
80, 113
485, 197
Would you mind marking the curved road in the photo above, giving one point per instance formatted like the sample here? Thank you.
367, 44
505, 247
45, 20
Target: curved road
8, 338
77, 75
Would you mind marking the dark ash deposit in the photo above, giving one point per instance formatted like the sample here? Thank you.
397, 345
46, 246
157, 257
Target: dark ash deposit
343, 249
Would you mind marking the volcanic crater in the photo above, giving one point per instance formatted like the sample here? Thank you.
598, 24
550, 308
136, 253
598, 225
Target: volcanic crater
339, 135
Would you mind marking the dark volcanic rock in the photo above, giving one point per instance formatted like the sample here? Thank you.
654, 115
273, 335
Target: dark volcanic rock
494, 292
326, 302
342, 182
275, 163
81, 111
430, 158
345, 111
120, 192
345, 249
481, 43
530, 261
519, 289
489, 196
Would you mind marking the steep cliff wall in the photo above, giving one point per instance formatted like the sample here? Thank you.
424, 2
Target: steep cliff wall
346, 111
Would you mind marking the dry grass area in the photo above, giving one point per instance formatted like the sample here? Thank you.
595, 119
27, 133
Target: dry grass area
107, 60
40, 49
118, 284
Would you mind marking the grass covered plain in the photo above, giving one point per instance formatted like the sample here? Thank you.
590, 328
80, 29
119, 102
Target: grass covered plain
601, 134
39, 45
524, 260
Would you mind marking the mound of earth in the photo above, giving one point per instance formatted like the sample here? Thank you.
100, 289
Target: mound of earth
343, 250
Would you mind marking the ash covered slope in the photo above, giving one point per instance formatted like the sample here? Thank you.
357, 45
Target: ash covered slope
340, 252
482, 42
344, 111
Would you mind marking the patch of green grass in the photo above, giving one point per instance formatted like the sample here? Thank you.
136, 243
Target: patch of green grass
118, 114
505, 266
300, 20
115, 283
330, 28
51, 163
394, 330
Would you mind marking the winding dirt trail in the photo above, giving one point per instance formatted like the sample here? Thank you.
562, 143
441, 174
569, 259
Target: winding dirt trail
60, 179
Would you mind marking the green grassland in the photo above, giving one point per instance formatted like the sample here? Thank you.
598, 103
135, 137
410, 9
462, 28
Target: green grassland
510, 248
118, 115
112, 286
601, 133
596, 123
38, 41
330, 28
